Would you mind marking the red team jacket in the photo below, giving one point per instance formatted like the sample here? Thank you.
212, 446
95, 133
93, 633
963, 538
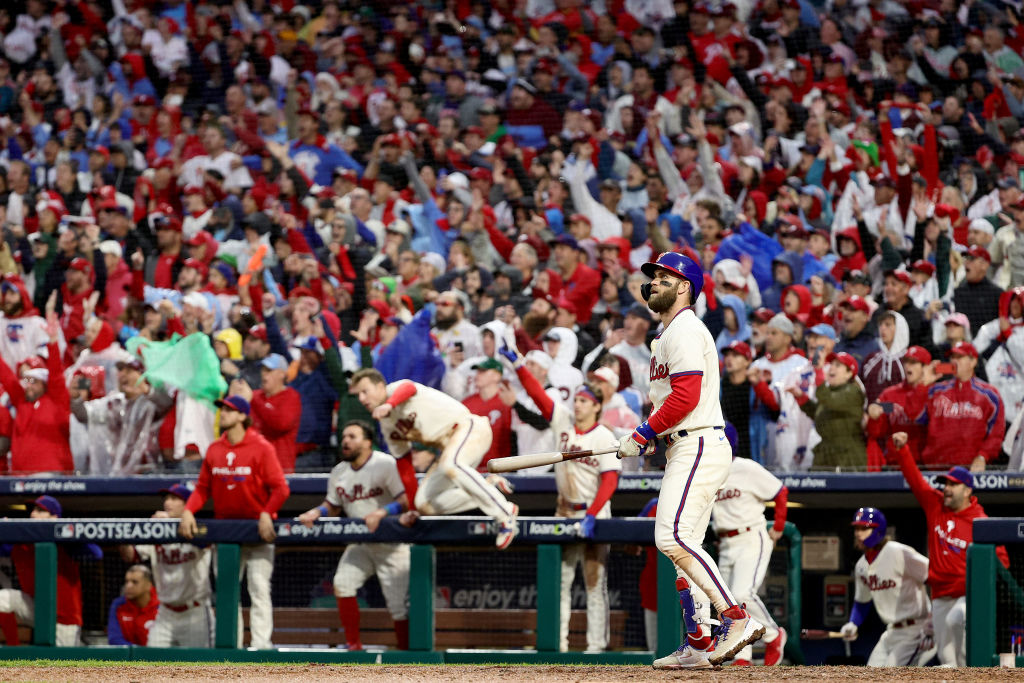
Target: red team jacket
128, 623
500, 417
949, 533
908, 404
243, 479
965, 419
277, 419
69, 581
41, 438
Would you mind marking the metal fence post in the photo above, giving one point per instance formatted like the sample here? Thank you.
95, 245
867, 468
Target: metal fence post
229, 559
45, 628
421, 598
549, 596
981, 604
669, 612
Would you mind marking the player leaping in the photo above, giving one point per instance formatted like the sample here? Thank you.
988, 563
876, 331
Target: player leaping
686, 413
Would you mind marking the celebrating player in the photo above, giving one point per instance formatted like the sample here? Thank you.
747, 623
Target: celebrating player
584, 487
242, 474
745, 546
181, 572
950, 512
687, 414
411, 412
892, 576
366, 485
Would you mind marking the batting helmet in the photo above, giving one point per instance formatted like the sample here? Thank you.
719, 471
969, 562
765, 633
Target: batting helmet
874, 519
681, 265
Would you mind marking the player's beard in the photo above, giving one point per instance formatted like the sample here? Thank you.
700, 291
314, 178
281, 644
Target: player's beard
12, 310
663, 300
535, 323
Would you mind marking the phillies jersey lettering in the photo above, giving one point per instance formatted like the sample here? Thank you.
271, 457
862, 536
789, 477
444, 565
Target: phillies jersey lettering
873, 583
577, 480
428, 417
176, 554
404, 428
726, 495
943, 407
957, 545
658, 370
358, 492
894, 582
685, 347
740, 502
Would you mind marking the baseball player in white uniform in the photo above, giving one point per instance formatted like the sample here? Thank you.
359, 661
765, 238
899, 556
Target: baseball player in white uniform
411, 412
365, 485
687, 414
181, 574
745, 545
585, 486
892, 576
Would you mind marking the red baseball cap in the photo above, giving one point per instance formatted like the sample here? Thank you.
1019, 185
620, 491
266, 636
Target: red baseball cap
80, 264
762, 315
258, 331
300, 291
918, 354
963, 349
979, 252
844, 358
901, 275
563, 302
857, 303
579, 217
740, 347
923, 266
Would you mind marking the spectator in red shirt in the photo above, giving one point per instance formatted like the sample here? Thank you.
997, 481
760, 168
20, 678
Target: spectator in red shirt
133, 612
898, 409
581, 284
964, 415
276, 408
950, 512
488, 402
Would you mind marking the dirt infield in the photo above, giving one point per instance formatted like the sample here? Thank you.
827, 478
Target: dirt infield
473, 674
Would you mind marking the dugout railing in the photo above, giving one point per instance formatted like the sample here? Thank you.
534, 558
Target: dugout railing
995, 597
547, 534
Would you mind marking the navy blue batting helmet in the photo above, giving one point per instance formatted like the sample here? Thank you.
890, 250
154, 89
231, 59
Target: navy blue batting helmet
873, 519
681, 265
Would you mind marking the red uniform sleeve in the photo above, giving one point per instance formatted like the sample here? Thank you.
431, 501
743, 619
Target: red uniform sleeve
408, 476
609, 482
279, 417
403, 392
273, 477
536, 393
926, 496
781, 498
201, 492
56, 389
684, 398
765, 395
10, 383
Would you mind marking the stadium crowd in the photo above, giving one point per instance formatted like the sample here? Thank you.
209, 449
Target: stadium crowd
259, 199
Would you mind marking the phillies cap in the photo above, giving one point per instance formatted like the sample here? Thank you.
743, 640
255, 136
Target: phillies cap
489, 364
964, 349
923, 266
762, 315
258, 331
918, 354
134, 363
979, 252
958, 474
608, 375
901, 275
48, 503
274, 361
823, 330
740, 347
564, 302
844, 358
234, 403
81, 264
179, 490
857, 303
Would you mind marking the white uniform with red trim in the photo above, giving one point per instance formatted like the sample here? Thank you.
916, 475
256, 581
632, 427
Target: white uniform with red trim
358, 492
578, 482
436, 419
894, 581
181, 574
697, 462
744, 544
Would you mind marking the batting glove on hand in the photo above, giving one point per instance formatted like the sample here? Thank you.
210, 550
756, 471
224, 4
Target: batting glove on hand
587, 526
628, 448
511, 355
849, 631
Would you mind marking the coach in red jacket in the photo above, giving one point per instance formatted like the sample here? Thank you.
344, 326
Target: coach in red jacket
950, 512
965, 416
242, 474
40, 441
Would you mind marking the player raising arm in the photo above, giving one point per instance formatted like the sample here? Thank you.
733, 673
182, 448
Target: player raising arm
686, 413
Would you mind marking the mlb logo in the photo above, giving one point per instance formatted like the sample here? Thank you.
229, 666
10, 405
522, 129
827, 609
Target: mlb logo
64, 531
18, 486
478, 528
284, 530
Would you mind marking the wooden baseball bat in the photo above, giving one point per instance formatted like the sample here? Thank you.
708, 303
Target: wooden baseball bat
518, 462
819, 634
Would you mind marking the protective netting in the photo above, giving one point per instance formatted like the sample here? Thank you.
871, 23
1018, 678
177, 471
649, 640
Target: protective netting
1010, 602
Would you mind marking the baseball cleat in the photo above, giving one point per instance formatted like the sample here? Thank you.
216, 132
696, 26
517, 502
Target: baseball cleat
501, 483
773, 650
733, 636
684, 658
508, 530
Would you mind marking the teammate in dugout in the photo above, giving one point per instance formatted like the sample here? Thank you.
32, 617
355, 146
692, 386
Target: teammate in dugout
366, 485
243, 476
950, 512
133, 612
585, 486
410, 412
890, 575
687, 414
745, 545
181, 572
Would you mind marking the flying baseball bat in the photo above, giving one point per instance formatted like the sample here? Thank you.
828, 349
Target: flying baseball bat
819, 634
518, 462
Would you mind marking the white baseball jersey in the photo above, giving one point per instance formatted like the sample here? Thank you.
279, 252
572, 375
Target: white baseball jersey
371, 487
429, 417
24, 337
181, 571
894, 581
578, 480
740, 502
685, 347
